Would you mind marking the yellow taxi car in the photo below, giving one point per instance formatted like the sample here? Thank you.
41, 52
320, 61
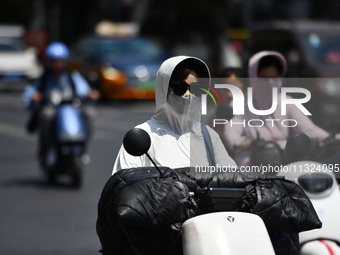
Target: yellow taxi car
120, 67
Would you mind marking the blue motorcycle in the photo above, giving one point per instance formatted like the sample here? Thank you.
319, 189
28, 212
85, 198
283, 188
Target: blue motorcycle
65, 140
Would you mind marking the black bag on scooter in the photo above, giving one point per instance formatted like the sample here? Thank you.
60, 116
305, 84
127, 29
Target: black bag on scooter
137, 207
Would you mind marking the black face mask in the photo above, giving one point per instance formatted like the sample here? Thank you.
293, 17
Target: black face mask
180, 87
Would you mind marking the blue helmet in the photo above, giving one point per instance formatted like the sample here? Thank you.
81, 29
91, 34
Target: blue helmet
57, 50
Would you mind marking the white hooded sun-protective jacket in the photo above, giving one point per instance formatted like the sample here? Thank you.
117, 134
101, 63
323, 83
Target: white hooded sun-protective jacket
175, 128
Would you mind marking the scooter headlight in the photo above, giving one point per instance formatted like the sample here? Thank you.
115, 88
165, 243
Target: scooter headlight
56, 97
316, 183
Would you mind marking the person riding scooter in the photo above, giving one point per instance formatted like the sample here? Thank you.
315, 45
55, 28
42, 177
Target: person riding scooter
150, 192
266, 70
55, 77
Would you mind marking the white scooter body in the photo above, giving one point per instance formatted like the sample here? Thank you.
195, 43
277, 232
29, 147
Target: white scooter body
224, 233
327, 205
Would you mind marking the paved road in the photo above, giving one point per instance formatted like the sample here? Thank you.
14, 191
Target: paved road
36, 218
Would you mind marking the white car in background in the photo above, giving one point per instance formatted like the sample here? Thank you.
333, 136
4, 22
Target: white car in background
18, 65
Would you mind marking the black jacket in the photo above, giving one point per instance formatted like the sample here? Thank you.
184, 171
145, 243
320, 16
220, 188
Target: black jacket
138, 207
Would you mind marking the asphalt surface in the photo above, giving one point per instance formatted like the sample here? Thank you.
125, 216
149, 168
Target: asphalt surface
37, 218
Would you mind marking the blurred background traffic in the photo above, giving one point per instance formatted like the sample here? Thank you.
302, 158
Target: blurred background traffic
103, 35
118, 45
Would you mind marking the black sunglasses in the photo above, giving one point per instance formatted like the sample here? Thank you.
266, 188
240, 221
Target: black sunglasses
180, 87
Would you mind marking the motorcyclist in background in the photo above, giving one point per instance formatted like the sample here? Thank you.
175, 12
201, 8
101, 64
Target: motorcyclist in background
55, 76
266, 70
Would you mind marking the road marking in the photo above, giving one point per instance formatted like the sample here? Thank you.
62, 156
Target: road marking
13, 130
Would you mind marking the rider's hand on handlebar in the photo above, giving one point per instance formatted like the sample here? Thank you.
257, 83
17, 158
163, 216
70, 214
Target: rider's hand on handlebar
37, 96
94, 94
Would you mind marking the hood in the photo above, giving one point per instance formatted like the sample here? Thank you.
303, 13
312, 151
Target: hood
165, 71
262, 88
255, 60
177, 113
